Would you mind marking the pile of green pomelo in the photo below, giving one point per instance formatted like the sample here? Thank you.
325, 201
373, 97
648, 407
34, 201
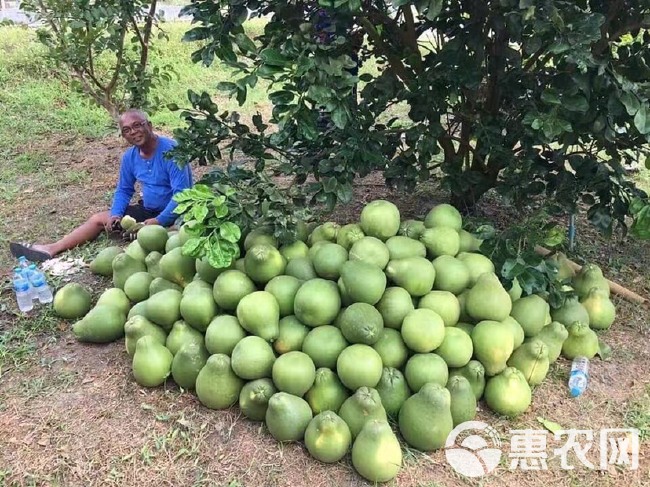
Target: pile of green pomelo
327, 338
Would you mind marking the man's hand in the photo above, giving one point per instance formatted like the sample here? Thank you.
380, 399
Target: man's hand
151, 221
113, 224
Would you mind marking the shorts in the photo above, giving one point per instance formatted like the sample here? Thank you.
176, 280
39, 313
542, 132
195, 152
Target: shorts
140, 213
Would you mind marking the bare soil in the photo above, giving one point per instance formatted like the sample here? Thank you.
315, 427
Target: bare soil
71, 414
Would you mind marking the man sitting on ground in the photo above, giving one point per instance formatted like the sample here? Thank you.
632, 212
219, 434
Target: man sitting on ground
145, 162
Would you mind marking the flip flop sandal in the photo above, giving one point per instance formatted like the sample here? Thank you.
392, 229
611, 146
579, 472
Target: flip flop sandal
26, 250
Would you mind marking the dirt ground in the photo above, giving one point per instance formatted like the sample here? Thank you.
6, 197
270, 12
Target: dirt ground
71, 414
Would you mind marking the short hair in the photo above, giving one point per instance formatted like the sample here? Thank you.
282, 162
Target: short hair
134, 111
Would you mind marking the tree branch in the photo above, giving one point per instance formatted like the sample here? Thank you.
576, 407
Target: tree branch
119, 57
395, 61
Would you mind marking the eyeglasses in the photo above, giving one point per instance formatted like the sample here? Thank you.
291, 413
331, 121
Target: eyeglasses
135, 126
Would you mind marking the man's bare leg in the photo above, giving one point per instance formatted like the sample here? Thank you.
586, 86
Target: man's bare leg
89, 230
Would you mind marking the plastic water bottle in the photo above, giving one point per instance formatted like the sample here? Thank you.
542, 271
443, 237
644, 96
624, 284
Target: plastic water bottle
41, 288
579, 376
23, 293
23, 263
28, 272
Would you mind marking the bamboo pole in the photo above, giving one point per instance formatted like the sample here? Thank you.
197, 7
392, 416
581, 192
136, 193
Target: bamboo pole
615, 288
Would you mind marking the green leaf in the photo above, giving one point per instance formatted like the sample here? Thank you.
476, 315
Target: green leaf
230, 232
200, 212
435, 7
604, 350
273, 57
193, 246
576, 103
631, 102
642, 120
552, 426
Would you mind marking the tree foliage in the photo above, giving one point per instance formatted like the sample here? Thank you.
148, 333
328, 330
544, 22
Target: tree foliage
541, 98
103, 48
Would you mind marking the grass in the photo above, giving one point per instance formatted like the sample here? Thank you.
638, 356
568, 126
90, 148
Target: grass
637, 415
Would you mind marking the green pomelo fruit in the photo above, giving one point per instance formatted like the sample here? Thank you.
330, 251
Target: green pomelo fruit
400, 247
287, 417
425, 367
284, 288
301, 268
102, 324
230, 287
361, 323
123, 266
530, 312
208, 273
264, 262
178, 268
359, 365
217, 386
380, 219
581, 342
294, 250
493, 344
327, 437
259, 314
151, 363
600, 309
440, 241
160, 284
411, 229
415, 274
444, 215
457, 348
254, 398
102, 263
223, 333
508, 393
488, 300
572, 310
363, 406
317, 302
173, 242
187, 364
348, 234
153, 238
182, 334
138, 309
137, 285
376, 453
451, 274
327, 232
477, 264
72, 301
474, 372
394, 305
393, 390
553, 335
531, 359
425, 419
292, 335
391, 348
139, 326
327, 393
152, 261
443, 303
328, 261
463, 400
423, 330
198, 308
259, 236
163, 308
115, 297
135, 251
468, 242
370, 250
252, 358
294, 372
363, 282
324, 344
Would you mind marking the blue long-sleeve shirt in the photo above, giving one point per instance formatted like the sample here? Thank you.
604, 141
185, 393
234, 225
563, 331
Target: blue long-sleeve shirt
160, 178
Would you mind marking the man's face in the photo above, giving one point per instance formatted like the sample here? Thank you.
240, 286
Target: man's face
136, 130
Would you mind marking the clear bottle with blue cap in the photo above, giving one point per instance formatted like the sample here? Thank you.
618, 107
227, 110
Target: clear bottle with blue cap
22, 291
579, 376
39, 283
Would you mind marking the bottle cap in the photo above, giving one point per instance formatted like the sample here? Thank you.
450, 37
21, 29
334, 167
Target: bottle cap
21, 285
575, 392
